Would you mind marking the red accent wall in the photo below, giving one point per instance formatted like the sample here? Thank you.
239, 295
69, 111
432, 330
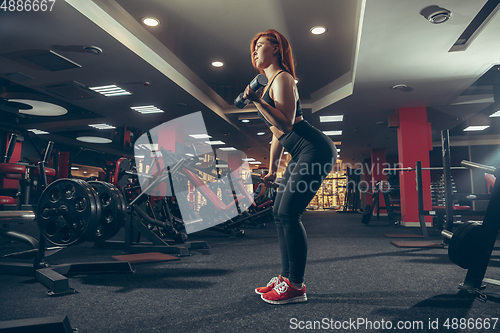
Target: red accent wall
63, 164
413, 145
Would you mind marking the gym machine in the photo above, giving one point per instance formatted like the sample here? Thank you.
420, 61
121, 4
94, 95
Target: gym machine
22, 213
471, 244
143, 216
385, 188
67, 210
352, 198
185, 169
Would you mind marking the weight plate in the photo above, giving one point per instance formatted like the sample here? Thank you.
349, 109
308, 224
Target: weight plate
67, 211
94, 221
113, 211
465, 245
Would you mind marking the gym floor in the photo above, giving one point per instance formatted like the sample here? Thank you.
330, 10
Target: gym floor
354, 276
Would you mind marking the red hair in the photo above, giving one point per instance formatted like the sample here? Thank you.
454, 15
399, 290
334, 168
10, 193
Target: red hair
285, 56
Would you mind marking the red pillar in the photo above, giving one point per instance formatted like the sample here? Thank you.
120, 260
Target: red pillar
414, 144
126, 137
63, 165
379, 162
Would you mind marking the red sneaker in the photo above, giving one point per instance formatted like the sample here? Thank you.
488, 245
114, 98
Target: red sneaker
283, 293
270, 285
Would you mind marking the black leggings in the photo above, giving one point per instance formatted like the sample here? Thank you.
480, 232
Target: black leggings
314, 159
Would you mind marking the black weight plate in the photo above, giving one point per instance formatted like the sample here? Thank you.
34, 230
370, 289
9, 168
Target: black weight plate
464, 247
94, 221
113, 210
122, 212
66, 211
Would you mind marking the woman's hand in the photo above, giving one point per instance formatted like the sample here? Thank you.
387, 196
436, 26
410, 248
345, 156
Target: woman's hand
250, 94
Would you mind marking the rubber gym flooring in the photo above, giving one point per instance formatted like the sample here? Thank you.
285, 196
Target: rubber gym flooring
355, 278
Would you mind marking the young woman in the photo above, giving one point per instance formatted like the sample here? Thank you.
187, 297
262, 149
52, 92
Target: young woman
313, 156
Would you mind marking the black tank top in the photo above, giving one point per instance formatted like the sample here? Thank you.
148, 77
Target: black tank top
270, 101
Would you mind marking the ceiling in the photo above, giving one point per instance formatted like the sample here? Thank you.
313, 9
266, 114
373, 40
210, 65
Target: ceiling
369, 47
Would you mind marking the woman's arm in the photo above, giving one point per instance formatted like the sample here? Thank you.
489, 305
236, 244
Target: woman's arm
282, 115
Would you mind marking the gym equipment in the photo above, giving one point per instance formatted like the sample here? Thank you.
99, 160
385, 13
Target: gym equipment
185, 169
352, 198
20, 172
471, 244
54, 324
448, 211
386, 192
113, 211
256, 85
143, 217
68, 212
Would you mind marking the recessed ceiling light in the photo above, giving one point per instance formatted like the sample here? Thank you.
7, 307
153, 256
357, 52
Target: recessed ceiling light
217, 64
41, 108
102, 126
151, 21
318, 30
255, 162
496, 114
248, 159
215, 142
110, 90
332, 132
227, 149
75, 168
37, 131
245, 120
261, 133
146, 109
93, 139
475, 128
327, 119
